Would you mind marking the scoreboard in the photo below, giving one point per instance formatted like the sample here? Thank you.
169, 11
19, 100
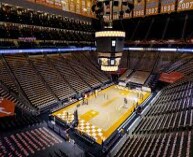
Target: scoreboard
167, 6
139, 7
185, 5
152, 7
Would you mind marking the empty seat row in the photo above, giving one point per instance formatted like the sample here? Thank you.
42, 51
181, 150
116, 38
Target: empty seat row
164, 145
27, 143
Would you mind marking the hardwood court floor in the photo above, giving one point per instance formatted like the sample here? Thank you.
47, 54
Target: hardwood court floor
104, 112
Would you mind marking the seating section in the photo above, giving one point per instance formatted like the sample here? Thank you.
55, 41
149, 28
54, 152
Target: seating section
164, 61
180, 62
165, 144
92, 57
68, 73
7, 95
172, 110
17, 122
155, 63
98, 74
147, 62
124, 60
28, 143
30, 82
134, 59
46, 80
166, 129
83, 72
6, 78
55, 81
186, 69
160, 62
152, 81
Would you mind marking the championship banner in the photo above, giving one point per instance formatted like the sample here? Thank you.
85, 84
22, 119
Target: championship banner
58, 3
171, 77
65, 5
106, 18
185, 5
83, 5
7, 107
107, 12
167, 6
107, 9
88, 7
152, 7
115, 16
127, 16
78, 6
72, 6
139, 7
116, 7
125, 7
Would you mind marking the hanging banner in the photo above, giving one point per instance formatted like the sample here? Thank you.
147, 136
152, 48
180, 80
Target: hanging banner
58, 4
78, 6
167, 6
72, 6
139, 7
152, 7
65, 5
83, 6
185, 5
88, 7
107, 12
126, 7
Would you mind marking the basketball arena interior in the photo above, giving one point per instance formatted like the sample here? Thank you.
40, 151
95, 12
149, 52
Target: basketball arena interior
96, 78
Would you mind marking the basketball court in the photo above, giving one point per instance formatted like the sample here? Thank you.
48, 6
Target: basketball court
105, 112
